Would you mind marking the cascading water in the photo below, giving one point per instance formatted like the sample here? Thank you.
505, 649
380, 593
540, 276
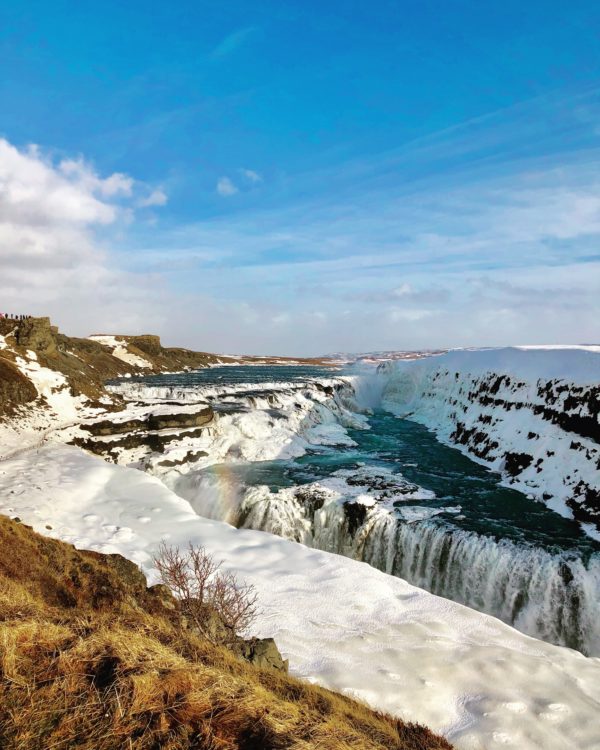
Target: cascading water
553, 596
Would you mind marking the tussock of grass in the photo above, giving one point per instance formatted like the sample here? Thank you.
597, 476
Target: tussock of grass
91, 659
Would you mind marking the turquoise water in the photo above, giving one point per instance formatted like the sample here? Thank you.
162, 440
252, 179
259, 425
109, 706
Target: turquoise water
236, 374
487, 508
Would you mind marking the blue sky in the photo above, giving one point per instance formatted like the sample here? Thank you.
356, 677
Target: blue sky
304, 177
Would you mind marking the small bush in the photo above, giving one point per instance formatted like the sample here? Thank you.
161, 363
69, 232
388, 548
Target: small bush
204, 592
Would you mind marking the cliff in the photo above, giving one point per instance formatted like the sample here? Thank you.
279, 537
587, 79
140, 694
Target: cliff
530, 413
87, 363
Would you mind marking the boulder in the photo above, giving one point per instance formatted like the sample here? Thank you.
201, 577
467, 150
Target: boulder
263, 653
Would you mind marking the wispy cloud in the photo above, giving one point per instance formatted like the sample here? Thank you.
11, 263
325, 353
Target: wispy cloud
226, 188
251, 175
157, 197
421, 237
233, 41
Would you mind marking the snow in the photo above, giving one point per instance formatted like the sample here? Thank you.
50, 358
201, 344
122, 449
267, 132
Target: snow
577, 364
253, 422
451, 389
33, 423
340, 622
119, 350
582, 347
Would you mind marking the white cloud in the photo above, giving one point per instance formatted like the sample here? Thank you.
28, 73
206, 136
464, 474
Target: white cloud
251, 175
157, 197
35, 193
51, 216
225, 187
83, 174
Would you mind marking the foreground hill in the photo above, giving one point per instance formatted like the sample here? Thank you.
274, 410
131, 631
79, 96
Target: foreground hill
91, 658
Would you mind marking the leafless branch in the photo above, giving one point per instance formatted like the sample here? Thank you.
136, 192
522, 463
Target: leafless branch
203, 591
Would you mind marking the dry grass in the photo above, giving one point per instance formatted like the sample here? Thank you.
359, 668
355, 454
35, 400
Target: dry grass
90, 659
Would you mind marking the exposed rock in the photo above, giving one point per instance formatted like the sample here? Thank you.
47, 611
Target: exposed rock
36, 334
148, 344
15, 388
189, 457
106, 427
263, 653
185, 419
355, 515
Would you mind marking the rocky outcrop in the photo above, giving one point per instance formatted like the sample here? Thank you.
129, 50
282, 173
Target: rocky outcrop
153, 431
37, 334
147, 344
179, 421
15, 389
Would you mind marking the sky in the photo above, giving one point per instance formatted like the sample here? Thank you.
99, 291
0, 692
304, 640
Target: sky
303, 177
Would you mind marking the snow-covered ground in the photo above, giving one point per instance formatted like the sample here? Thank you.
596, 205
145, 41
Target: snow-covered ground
118, 348
57, 408
531, 413
340, 622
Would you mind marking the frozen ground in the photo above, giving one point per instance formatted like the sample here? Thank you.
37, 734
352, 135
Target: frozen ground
340, 622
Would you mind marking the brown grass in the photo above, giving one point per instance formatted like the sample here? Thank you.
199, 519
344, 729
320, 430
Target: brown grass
91, 659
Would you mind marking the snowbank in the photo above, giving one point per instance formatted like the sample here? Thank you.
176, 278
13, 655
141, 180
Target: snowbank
340, 622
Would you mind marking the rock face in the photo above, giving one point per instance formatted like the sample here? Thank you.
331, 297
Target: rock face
15, 389
37, 335
263, 653
178, 421
148, 344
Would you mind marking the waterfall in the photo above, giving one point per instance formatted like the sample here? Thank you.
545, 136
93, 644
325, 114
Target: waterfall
551, 596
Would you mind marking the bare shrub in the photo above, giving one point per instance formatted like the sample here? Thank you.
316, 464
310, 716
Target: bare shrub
204, 592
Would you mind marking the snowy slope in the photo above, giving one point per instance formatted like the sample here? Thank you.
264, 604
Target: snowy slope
118, 348
55, 408
340, 622
531, 413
